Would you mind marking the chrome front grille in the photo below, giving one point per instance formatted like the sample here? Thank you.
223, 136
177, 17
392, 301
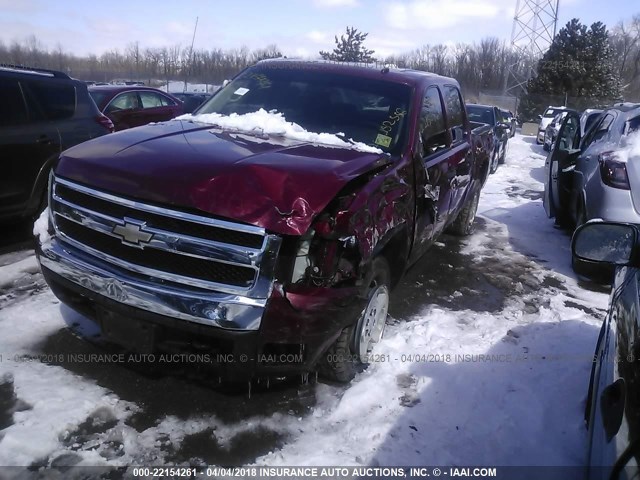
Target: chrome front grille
165, 245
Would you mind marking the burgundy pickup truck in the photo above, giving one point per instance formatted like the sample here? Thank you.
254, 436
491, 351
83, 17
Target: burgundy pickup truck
263, 251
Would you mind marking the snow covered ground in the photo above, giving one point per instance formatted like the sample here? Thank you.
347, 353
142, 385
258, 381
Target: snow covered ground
486, 362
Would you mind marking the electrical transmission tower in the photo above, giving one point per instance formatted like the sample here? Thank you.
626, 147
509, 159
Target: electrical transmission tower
534, 26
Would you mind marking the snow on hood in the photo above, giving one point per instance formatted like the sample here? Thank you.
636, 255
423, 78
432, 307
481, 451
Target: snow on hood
274, 123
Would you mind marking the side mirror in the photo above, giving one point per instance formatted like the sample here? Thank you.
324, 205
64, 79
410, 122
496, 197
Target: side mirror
503, 125
539, 117
598, 247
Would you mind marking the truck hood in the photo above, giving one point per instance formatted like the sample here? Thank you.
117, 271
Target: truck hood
274, 183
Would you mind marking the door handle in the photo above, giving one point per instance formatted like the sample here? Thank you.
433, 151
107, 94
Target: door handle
44, 140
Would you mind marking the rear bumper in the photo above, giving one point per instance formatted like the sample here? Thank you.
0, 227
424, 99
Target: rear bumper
293, 328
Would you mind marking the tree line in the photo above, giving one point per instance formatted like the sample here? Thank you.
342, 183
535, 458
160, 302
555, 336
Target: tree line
479, 67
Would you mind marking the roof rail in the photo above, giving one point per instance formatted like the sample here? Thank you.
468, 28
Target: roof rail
53, 73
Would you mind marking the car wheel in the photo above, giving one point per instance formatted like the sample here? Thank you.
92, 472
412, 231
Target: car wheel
494, 162
463, 224
581, 214
504, 154
349, 353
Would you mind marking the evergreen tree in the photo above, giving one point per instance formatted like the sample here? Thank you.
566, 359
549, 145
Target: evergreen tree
350, 49
578, 66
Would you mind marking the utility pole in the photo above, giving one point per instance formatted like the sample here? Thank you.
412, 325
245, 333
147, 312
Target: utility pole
193, 39
534, 27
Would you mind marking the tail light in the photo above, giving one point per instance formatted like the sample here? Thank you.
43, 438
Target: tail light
613, 172
105, 122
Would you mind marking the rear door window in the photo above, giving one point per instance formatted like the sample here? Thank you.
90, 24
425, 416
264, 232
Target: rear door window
455, 112
598, 131
56, 101
154, 100
432, 127
633, 125
13, 104
124, 101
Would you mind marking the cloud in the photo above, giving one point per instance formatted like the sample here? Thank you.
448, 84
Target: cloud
438, 14
335, 3
179, 28
319, 37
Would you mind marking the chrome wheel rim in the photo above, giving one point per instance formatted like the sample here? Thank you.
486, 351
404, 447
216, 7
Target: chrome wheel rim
373, 321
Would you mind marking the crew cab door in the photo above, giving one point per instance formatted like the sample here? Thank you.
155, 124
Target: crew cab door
559, 167
460, 155
432, 174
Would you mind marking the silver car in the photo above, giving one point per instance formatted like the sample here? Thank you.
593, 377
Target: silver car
593, 174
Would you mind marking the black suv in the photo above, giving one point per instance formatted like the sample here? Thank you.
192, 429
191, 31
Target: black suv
42, 113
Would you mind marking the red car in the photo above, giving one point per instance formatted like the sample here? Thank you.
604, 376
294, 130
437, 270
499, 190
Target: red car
130, 106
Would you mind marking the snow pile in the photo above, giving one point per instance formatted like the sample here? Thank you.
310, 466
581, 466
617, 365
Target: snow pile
9, 274
41, 227
274, 123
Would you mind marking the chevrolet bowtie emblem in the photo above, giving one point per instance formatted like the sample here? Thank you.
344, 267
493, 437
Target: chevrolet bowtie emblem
132, 233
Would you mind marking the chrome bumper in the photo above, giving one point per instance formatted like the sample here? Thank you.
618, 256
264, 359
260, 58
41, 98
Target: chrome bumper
215, 309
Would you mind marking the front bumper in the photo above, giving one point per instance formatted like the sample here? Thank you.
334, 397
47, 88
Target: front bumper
173, 300
293, 328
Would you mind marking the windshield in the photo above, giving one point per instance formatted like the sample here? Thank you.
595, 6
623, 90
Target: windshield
552, 112
480, 114
373, 112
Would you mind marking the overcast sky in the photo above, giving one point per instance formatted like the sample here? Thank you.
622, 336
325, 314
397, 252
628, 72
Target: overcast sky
298, 27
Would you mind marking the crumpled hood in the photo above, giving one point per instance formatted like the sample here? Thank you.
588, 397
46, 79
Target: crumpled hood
273, 183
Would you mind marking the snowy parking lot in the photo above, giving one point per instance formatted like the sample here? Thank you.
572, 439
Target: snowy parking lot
485, 362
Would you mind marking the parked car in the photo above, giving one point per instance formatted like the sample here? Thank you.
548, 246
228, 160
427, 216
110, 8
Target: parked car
510, 119
545, 119
274, 254
491, 116
191, 100
612, 410
132, 106
44, 113
588, 175
552, 130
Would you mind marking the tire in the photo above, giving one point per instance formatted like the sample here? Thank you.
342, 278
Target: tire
348, 354
581, 214
463, 224
494, 163
503, 157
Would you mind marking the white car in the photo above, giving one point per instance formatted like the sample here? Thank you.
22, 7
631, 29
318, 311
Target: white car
546, 119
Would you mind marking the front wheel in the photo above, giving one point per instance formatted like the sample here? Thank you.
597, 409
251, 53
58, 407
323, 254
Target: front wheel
349, 353
494, 162
463, 224
503, 157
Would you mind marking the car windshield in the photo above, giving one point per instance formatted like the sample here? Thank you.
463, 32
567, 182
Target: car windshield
370, 111
552, 112
480, 114
98, 97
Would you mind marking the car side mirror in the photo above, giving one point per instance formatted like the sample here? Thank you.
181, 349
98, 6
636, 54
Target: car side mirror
598, 247
539, 117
